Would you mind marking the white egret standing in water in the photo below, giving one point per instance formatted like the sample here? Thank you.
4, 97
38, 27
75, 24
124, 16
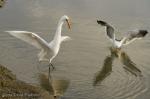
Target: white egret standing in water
130, 36
48, 51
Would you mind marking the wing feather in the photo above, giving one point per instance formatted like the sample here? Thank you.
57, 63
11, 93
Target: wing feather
133, 35
109, 29
65, 38
30, 38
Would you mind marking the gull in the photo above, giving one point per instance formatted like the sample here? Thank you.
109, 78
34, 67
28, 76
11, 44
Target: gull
48, 51
130, 36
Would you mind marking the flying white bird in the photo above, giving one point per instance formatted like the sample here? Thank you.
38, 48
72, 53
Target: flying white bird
48, 51
130, 36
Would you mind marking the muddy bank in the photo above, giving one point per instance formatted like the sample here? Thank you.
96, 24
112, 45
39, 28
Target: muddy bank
12, 88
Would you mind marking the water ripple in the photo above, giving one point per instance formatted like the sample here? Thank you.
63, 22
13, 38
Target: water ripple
121, 82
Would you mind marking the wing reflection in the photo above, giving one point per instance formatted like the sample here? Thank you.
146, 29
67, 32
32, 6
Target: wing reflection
106, 70
129, 65
55, 86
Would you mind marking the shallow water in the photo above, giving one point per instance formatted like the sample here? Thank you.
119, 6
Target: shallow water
91, 68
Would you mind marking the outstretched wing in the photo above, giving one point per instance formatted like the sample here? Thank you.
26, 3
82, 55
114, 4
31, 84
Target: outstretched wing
133, 35
109, 29
30, 38
65, 38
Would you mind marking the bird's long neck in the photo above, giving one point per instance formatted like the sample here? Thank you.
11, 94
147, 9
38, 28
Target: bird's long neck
123, 40
58, 31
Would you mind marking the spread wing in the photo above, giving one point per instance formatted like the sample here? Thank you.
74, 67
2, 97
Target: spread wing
109, 29
65, 38
133, 35
30, 38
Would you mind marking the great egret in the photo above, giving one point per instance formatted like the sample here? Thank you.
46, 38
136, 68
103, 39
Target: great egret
130, 36
48, 51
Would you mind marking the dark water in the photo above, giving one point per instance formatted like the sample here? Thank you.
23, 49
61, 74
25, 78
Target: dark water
86, 67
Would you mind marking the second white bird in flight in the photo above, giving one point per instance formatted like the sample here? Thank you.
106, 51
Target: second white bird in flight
48, 51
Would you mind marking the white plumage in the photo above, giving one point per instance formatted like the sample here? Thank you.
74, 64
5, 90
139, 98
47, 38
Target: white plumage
130, 36
48, 51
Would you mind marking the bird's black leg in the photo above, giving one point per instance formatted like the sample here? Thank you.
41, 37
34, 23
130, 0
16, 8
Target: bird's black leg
49, 70
52, 66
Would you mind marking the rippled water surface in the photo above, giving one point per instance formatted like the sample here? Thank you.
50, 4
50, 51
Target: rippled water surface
86, 67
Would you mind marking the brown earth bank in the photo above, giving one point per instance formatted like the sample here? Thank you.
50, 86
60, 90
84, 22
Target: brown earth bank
12, 88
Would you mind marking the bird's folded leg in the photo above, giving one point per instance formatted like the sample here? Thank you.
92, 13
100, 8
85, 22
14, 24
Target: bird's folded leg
51, 65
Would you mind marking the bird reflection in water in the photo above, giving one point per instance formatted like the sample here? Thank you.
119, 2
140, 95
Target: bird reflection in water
106, 70
2, 3
129, 65
55, 86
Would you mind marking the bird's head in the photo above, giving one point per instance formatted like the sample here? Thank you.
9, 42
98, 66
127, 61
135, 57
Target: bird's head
67, 19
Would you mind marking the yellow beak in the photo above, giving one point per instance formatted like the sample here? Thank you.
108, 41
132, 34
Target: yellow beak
68, 23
